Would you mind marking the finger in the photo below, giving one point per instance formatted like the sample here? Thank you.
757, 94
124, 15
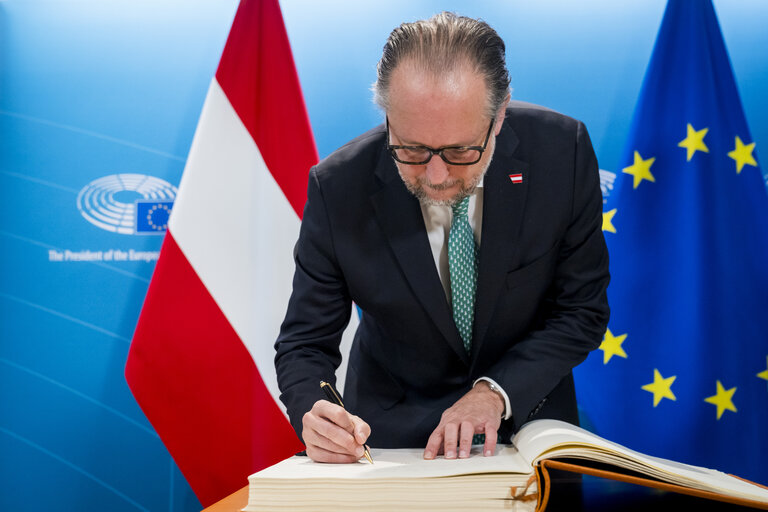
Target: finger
321, 431
340, 437
335, 414
466, 432
451, 438
361, 429
491, 435
434, 444
335, 439
318, 454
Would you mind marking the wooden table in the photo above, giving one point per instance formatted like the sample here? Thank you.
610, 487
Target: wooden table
235, 502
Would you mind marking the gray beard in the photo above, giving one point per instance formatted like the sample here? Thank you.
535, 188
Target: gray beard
417, 188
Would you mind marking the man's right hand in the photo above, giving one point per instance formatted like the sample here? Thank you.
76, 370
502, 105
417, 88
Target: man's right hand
331, 434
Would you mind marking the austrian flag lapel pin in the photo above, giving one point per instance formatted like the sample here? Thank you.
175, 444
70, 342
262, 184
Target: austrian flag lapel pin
516, 178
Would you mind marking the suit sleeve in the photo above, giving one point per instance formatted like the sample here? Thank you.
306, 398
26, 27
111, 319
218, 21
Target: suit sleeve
318, 312
576, 309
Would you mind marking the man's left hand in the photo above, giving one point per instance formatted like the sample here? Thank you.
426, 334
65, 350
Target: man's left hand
477, 412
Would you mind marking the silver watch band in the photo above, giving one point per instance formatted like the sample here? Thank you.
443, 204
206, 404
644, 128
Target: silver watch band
493, 387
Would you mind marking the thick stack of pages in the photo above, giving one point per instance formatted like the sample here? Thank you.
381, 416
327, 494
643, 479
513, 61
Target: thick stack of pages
397, 480
402, 480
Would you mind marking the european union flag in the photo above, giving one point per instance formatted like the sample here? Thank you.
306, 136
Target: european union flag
683, 370
152, 216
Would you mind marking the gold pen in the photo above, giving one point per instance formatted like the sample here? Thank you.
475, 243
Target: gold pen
334, 398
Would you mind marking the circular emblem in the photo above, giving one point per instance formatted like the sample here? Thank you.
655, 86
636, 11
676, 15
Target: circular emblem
110, 202
157, 216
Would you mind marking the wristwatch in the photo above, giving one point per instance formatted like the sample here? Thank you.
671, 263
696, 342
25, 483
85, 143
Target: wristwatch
493, 387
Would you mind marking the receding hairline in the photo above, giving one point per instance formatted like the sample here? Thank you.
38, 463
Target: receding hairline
440, 45
438, 78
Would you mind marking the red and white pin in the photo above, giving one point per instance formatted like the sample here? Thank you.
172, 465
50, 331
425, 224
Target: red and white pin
516, 178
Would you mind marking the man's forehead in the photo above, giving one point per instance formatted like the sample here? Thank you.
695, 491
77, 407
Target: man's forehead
415, 81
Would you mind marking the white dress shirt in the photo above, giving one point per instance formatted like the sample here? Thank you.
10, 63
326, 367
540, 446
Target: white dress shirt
437, 220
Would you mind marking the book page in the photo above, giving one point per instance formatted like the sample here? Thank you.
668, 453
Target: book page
550, 439
401, 463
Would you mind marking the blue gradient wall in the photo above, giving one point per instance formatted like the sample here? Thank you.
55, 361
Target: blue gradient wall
90, 89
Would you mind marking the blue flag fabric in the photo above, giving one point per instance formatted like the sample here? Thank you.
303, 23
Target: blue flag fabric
683, 370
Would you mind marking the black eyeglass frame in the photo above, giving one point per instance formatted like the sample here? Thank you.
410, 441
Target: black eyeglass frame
439, 151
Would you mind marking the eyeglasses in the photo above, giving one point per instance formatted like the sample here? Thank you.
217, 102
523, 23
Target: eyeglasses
453, 155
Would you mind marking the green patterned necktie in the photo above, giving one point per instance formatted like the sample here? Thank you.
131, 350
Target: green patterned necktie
462, 265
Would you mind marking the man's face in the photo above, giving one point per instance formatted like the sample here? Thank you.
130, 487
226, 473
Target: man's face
438, 112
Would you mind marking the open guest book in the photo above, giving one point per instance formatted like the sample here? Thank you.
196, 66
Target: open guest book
517, 478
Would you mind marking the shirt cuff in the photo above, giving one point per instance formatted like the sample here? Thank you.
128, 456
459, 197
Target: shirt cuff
507, 407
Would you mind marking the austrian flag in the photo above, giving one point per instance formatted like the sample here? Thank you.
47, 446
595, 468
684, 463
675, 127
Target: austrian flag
516, 178
201, 361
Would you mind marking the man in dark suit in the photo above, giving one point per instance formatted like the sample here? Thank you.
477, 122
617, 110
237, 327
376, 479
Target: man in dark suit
468, 230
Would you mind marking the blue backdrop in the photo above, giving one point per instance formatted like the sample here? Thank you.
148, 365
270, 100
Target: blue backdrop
98, 106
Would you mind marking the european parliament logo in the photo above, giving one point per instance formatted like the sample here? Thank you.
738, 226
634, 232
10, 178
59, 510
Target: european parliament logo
607, 179
129, 204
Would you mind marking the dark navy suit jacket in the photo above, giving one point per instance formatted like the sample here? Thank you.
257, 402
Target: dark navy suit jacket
541, 303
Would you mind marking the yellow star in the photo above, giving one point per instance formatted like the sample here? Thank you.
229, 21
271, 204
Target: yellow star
764, 373
660, 387
640, 169
743, 155
694, 141
611, 346
723, 399
608, 221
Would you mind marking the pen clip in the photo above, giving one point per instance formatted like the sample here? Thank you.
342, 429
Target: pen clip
327, 387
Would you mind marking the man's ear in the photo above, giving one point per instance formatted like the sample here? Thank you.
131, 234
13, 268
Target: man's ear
500, 115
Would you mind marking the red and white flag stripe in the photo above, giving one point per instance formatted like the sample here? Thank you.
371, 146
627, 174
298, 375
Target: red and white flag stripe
201, 361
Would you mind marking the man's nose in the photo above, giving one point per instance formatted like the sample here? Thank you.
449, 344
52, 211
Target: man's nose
437, 170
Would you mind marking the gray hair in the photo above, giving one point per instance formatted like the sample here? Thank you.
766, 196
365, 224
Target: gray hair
440, 45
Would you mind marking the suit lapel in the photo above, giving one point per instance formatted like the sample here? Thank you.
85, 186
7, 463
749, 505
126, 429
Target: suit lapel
503, 207
400, 217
